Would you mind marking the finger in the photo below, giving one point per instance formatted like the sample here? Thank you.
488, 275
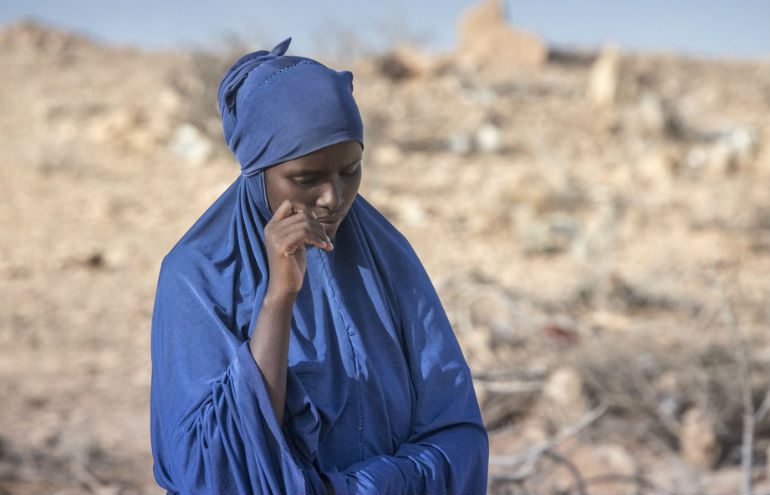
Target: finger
307, 234
315, 236
311, 227
306, 212
283, 211
294, 219
298, 240
302, 217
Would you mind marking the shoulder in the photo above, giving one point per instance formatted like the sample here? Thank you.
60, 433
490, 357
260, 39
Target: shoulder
212, 234
378, 228
389, 247
212, 240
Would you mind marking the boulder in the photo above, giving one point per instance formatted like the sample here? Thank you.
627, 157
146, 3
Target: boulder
409, 62
488, 42
191, 144
564, 397
604, 79
698, 440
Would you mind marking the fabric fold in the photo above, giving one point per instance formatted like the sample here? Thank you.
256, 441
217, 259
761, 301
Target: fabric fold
218, 434
302, 420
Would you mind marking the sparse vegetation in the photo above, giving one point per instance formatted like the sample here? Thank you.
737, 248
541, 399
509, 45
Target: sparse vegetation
604, 259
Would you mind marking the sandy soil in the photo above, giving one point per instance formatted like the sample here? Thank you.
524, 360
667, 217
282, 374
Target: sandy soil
590, 255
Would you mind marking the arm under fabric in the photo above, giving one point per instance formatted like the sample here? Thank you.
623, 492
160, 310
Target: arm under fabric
448, 450
212, 424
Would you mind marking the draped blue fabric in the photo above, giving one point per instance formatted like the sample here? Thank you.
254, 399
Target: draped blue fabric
379, 398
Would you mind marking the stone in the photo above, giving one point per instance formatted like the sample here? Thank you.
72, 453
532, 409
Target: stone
656, 117
126, 128
698, 442
727, 153
593, 461
544, 234
460, 144
604, 79
732, 151
655, 169
408, 62
410, 211
191, 144
564, 395
489, 43
651, 114
489, 139
388, 155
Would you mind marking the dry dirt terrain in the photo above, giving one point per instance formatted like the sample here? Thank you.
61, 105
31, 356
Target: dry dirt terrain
597, 226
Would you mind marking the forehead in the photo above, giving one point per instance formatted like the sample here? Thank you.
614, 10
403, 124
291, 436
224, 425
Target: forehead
332, 157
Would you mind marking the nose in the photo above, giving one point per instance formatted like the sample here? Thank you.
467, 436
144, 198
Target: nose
331, 196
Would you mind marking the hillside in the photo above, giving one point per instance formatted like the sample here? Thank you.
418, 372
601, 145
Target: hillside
597, 226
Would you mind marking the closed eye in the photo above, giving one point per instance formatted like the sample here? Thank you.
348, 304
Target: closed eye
306, 180
313, 179
353, 169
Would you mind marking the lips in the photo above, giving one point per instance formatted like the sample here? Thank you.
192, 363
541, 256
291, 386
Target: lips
329, 220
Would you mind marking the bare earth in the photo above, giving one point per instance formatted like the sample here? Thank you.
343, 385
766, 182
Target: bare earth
606, 264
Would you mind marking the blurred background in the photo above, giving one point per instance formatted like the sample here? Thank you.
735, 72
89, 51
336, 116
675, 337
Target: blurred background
587, 183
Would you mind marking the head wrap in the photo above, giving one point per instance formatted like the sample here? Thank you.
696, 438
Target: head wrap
277, 107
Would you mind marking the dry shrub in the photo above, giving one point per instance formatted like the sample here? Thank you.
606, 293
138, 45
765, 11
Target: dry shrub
650, 379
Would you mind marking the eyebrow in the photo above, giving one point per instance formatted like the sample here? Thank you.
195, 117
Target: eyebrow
308, 171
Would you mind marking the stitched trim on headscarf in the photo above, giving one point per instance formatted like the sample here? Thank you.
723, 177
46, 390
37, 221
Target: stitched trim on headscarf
301, 62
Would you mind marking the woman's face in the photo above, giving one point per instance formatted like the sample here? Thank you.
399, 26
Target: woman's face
325, 182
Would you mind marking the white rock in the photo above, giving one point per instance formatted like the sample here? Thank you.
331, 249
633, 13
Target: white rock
460, 144
652, 114
489, 139
191, 144
605, 76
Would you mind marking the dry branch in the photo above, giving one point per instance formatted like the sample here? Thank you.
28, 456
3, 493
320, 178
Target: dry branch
527, 459
744, 378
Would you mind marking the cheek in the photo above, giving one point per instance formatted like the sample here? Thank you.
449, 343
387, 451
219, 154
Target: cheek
351, 189
279, 191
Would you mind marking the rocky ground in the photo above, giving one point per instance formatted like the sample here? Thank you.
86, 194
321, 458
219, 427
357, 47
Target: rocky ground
597, 225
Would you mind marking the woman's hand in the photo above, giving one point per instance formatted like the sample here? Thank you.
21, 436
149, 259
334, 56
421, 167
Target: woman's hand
286, 234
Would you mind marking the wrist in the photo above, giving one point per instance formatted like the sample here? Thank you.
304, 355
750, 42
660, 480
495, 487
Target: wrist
279, 296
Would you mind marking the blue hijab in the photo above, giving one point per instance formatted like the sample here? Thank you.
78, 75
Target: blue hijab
379, 398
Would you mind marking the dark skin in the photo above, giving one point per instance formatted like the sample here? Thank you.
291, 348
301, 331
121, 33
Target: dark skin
309, 197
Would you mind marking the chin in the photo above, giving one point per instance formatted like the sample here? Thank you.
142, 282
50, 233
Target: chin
331, 229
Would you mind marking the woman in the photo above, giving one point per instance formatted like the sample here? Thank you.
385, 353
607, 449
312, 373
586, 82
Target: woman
298, 345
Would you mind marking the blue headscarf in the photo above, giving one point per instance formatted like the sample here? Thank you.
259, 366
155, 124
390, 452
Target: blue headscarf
379, 398
276, 107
